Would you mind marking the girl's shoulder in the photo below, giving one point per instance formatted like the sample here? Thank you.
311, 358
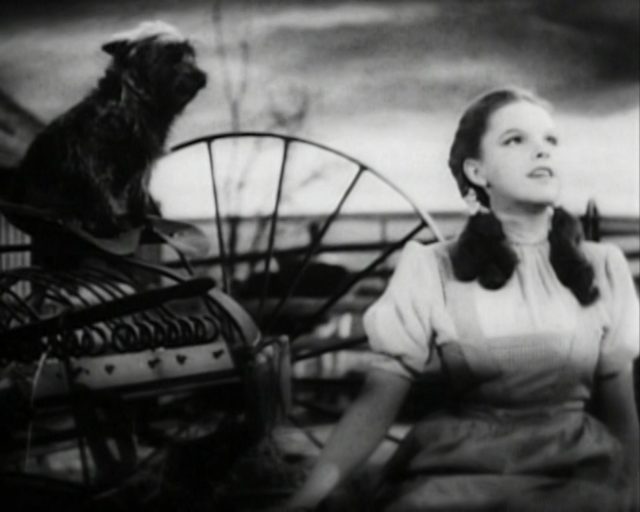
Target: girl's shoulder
418, 257
601, 254
415, 249
421, 264
611, 267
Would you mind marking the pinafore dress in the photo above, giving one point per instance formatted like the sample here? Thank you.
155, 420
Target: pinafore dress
522, 361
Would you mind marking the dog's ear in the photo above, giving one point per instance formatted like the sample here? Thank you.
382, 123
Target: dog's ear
118, 48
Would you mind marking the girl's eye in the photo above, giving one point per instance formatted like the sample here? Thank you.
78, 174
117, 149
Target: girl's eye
553, 140
513, 140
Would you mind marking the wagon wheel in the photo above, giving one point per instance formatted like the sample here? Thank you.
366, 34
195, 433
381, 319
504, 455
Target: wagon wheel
292, 237
262, 188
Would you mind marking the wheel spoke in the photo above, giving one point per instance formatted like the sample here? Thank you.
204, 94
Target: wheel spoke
312, 250
218, 219
272, 229
317, 316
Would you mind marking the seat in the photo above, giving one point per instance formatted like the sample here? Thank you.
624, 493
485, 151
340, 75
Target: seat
82, 344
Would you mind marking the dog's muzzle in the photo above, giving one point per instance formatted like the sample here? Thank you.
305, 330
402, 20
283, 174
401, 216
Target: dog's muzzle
199, 78
188, 84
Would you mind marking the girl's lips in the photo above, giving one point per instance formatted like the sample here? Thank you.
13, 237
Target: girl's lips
541, 172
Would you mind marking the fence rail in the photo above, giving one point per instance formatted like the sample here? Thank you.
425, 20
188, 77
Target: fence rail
376, 228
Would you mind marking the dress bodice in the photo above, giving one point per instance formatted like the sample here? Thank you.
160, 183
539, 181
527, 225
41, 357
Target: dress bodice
528, 343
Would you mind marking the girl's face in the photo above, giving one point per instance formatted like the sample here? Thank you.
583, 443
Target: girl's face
516, 164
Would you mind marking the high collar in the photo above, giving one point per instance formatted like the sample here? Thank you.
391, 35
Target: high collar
526, 228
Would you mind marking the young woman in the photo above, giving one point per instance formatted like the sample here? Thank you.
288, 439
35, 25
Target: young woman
533, 329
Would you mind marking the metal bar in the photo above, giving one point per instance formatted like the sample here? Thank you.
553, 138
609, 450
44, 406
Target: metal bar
105, 281
125, 305
19, 306
51, 286
225, 275
15, 248
253, 256
40, 280
311, 251
181, 256
94, 287
101, 285
344, 345
357, 277
345, 384
272, 229
86, 477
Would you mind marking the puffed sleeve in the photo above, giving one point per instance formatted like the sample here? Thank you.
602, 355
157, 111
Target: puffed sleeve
620, 344
400, 324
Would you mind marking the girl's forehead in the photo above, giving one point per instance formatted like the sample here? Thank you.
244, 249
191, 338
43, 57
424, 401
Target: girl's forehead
520, 115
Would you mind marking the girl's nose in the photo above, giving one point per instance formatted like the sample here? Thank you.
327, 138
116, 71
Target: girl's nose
541, 150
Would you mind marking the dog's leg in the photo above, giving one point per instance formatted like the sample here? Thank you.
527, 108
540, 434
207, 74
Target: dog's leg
140, 203
97, 210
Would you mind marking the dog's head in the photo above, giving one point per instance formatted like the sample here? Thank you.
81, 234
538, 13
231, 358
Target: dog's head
158, 62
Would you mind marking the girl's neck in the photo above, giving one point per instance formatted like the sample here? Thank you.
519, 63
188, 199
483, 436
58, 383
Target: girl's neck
525, 226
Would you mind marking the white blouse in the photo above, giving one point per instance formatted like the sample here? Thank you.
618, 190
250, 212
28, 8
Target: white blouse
424, 306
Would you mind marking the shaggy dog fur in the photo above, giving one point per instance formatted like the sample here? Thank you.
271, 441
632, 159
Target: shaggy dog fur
92, 164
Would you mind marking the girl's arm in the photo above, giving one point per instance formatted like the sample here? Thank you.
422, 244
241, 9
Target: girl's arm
356, 436
616, 407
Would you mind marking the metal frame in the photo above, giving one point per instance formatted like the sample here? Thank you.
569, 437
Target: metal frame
77, 333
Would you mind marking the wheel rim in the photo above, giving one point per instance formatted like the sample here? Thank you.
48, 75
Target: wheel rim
264, 290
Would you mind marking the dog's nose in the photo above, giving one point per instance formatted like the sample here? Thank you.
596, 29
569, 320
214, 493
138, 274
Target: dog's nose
200, 77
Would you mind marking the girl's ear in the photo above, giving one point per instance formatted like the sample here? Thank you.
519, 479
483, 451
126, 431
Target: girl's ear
471, 169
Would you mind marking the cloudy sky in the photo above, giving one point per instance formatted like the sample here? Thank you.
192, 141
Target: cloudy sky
384, 81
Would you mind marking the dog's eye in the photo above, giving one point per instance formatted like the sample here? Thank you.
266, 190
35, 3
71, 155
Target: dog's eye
179, 52
175, 55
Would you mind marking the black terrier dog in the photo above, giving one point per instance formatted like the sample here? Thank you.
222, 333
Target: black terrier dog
92, 165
